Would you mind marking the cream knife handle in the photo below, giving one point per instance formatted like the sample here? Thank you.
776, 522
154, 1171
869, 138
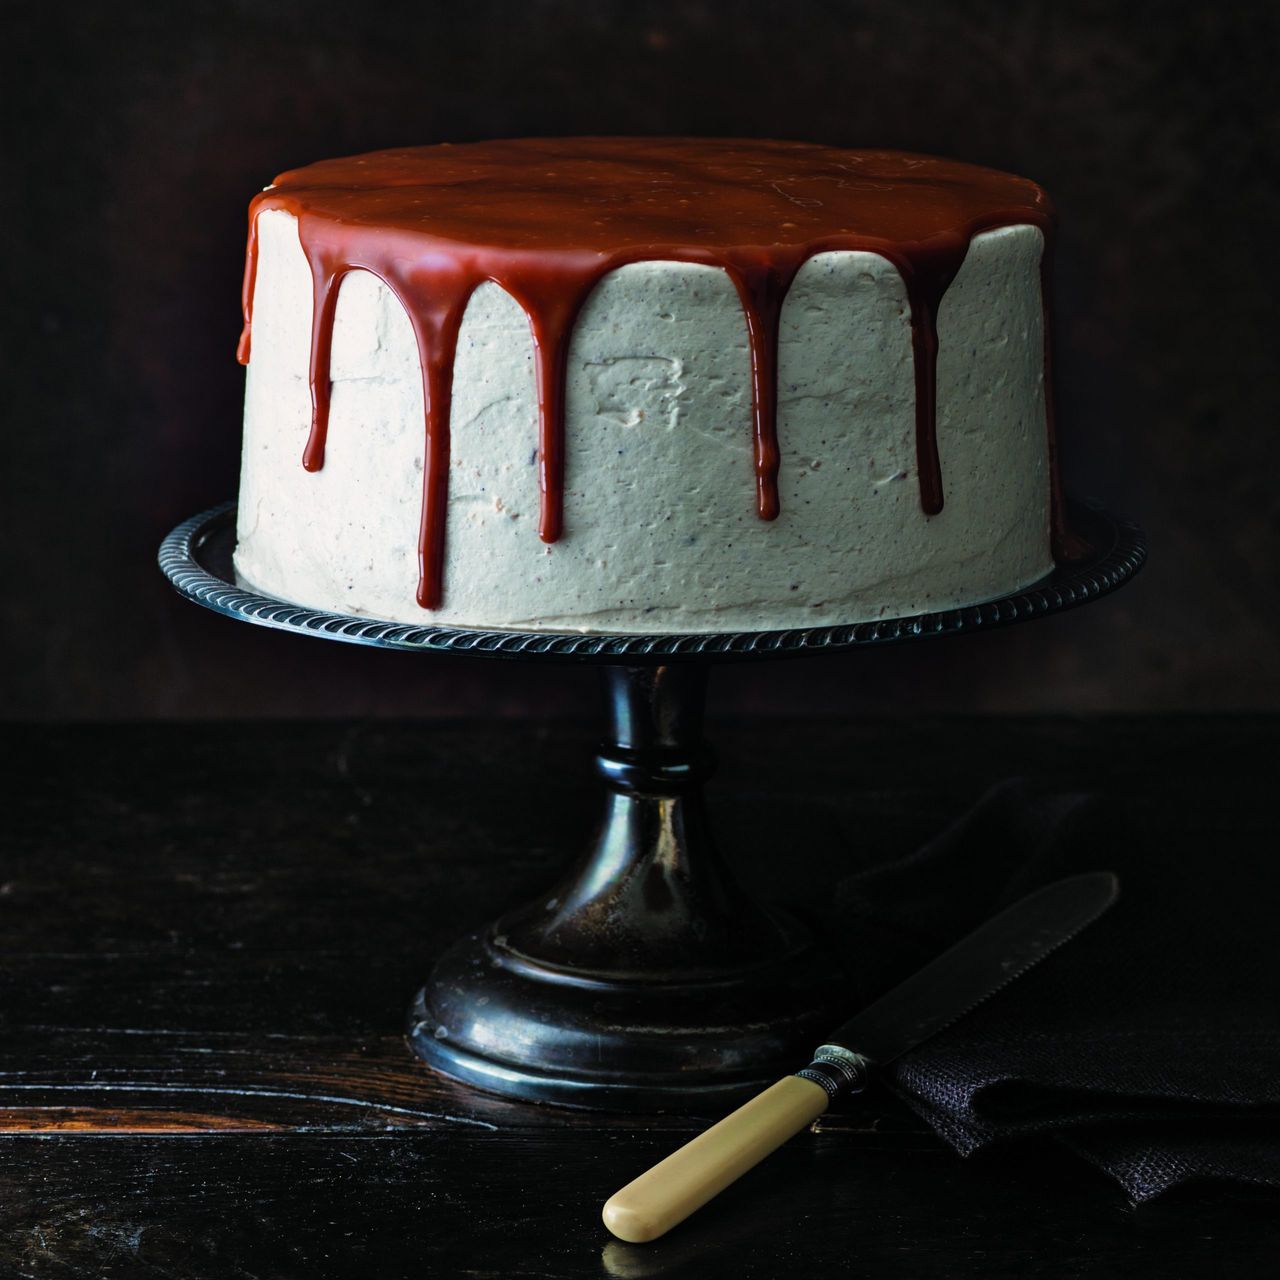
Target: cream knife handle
688, 1178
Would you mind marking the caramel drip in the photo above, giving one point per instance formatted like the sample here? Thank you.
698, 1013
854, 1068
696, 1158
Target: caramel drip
552, 306
927, 278
546, 219
762, 288
434, 300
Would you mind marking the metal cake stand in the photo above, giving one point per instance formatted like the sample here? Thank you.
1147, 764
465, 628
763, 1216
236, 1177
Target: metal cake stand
648, 979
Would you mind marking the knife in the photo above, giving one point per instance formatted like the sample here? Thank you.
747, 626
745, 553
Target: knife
944, 990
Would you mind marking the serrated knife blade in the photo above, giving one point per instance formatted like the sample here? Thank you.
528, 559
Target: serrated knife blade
947, 988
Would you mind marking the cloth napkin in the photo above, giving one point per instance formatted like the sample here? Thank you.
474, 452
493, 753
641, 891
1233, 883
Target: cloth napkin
1150, 1044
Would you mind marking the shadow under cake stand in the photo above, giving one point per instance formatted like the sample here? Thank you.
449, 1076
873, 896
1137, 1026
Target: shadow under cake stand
648, 979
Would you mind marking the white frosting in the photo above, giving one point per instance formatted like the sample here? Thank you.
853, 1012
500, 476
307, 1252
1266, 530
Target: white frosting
660, 526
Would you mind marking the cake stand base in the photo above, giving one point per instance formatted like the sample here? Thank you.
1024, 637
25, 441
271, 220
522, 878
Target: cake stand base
648, 979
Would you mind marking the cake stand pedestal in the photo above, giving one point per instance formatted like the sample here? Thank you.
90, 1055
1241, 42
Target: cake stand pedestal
647, 979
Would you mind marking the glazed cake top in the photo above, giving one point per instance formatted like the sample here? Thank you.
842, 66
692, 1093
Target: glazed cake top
546, 218
592, 197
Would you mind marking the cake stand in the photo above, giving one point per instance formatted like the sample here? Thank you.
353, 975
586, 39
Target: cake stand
648, 979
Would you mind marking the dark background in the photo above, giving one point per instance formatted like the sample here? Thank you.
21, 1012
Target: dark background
137, 134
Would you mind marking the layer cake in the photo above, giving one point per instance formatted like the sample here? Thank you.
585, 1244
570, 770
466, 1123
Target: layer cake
646, 385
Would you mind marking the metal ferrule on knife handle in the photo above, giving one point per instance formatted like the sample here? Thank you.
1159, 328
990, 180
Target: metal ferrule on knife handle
839, 1071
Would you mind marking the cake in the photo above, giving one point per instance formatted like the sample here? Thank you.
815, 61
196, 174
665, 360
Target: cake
639, 385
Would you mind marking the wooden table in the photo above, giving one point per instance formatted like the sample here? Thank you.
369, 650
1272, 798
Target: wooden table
211, 934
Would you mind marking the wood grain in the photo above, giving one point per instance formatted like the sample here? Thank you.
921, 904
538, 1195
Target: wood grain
210, 935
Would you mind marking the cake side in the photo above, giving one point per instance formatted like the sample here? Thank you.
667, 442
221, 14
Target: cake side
660, 532
548, 219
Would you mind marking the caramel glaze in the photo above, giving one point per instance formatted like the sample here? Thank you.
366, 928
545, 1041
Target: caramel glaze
546, 218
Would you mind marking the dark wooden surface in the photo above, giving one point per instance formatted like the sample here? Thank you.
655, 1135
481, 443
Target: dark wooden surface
210, 935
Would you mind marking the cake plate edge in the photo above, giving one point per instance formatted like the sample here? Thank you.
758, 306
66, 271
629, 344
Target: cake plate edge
196, 559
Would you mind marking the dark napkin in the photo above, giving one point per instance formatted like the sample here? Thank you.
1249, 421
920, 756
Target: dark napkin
1150, 1044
